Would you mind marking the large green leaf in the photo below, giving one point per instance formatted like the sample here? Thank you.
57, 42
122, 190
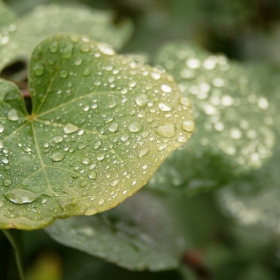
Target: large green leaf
138, 234
46, 20
101, 125
233, 121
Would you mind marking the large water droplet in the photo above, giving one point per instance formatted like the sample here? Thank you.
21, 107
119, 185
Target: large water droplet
167, 130
21, 196
58, 139
188, 126
141, 100
12, 115
113, 127
105, 49
166, 88
70, 128
135, 127
57, 156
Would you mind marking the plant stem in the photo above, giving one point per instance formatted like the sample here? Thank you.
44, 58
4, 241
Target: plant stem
16, 240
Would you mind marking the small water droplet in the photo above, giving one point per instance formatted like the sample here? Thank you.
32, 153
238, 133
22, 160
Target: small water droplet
58, 139
155, 75
167, 130
63, 74
53, 47
143, 152
188, 126
125, 137
5, 160
38, 69
70, 128
235, 133
86, 161
92, 175
166, 88
67, 52
57, 156
141, 100
185, 101
193, 63
7, 183
83, 184
100, 157
164, 107
113, 127
135, 127
101, 201
115, 183
1, 145
97, 145
90, 211
112, 104
12, 115
1, 128
105, 49
85, 48
78, 61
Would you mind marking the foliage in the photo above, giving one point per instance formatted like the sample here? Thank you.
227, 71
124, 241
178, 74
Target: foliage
83, 128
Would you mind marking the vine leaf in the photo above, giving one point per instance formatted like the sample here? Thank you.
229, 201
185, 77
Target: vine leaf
138, 234
100, 126
50, 19
234, 121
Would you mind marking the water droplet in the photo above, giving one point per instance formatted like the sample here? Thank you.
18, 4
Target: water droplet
85, 48
135, 127
167, 130
188, 126
67, 52
70, 128
92, 175
164, 107
112, 104
87, 72
58, 139
12, 115
143, 152
141, 100
263, 103
125, 137
227, 100
5, 160
105, 49
90, 211
7, 183
166, 88
185, 101
115, 183
83, 184
182, 139
63, 74
113, 127
86, 161
78, 61
57, 156
1, 145
38, 69
193, 63
235, 133
97, 145
101, 201
155, 75
21, 196
100, 157
53, 47
1, 128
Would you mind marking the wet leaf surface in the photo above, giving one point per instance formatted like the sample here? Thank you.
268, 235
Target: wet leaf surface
101, 125
138, 234
233, 121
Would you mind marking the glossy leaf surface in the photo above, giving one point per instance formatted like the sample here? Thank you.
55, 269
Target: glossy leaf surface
101, 125
138, 234
233, 121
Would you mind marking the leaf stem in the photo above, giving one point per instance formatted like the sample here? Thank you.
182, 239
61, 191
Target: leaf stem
16, 240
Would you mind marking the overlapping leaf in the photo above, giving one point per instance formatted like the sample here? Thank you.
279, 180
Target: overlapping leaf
138, 234
46, 20
101, 125
233, 121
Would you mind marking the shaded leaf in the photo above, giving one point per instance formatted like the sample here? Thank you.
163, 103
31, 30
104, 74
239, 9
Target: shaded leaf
233, 121
138, 234
100, 126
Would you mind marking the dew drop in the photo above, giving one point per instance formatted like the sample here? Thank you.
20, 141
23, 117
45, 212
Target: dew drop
63, 74
143, 152
101, 201
135, 127
1, 128
58, 139
164, 107
1, 145
166, 88
115, 183
185, 101
12, 115
97, 145
113, 127
7, 183
38, 70
67, 53
100, 157
57, 156
263, 103
141, 100
86, 161
70, 128
78, 61
167, 130
90, 211
5, 160
155, 76
112, 104
235, 133
188, 126
92, 175
193, 63
85, 48
53, 47
105, 49
125, 137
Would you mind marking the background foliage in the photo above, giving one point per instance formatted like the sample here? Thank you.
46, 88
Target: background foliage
232, 230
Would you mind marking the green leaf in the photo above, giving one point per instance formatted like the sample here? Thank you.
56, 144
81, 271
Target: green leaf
138, 234
100, 126
46, 20
7, 28
233, 122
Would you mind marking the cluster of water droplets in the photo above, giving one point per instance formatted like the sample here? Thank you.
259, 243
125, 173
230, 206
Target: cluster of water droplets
99, 131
